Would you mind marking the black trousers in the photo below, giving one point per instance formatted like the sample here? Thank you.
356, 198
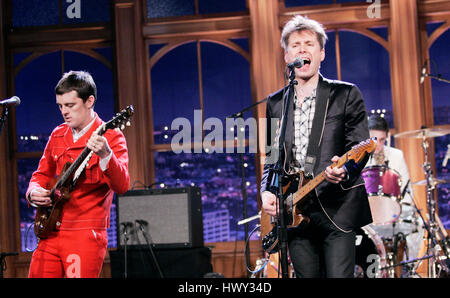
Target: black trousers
319, 249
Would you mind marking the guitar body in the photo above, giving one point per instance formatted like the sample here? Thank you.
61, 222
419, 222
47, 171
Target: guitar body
47, 217
293, 217
298, 192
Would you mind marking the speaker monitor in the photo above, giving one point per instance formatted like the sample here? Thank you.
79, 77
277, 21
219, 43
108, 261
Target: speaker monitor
172, 217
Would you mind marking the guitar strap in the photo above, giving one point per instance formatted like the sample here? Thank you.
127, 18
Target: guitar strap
312, 154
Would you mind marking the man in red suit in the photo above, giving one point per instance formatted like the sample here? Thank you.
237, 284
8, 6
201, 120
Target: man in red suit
77, 248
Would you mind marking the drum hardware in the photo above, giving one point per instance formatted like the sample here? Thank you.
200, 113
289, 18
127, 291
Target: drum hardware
407, 262
434, 247
396, 248
423, 133
438, 247
433, 182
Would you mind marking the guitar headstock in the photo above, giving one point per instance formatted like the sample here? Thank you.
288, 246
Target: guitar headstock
359, 151
121, 120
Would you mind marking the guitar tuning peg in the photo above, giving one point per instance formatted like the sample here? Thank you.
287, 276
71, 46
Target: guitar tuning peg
122, 127
128, 123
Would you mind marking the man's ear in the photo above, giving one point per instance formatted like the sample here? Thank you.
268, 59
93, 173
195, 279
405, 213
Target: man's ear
285, 57
90, 101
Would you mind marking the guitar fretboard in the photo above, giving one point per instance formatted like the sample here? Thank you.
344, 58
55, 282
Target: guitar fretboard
354, 153
81, 160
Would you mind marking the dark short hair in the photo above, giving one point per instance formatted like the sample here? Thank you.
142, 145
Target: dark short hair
377, 122
80, 81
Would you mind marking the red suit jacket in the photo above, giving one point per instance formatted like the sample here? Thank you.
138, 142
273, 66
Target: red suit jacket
90, 201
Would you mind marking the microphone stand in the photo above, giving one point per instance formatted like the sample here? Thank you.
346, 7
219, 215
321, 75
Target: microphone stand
144, 233
244, 207
3, 118
276, 177
243, 188
240, 113
125, 237
432, 244
437, 77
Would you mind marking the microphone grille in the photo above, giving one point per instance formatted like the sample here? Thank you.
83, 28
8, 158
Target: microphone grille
18, 99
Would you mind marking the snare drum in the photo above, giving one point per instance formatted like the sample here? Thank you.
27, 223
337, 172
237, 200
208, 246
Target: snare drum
383, 188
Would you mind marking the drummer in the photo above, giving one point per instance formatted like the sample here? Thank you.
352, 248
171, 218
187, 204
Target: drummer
393, 159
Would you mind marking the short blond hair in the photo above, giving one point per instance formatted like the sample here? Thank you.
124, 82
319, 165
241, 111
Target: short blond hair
300, 23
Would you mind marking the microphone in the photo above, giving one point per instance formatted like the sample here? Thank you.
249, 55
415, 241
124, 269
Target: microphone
126, 224
424, 72
13, 101
141, 222
298, 63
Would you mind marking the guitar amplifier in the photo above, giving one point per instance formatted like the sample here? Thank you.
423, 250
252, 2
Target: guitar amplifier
166, 218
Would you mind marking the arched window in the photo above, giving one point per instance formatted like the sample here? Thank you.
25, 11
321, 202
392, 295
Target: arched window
202, 82
439, 68
365, 63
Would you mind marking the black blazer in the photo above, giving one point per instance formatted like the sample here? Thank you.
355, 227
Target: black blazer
345, 125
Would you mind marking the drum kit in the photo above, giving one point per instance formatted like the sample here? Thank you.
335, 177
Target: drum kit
384, 248
389, 247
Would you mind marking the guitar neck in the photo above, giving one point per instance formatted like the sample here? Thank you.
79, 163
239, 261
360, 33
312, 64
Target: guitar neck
316, 181
68, 173
74, 166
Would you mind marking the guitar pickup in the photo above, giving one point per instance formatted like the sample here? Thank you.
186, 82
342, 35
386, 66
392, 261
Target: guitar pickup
289, 203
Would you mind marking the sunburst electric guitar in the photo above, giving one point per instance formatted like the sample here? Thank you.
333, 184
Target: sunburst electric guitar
47, 217
297, 192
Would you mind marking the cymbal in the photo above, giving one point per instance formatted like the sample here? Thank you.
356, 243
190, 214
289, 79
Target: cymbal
434, 181
423, 133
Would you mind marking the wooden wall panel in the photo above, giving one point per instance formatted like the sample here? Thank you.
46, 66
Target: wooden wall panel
408, 102
267, 64
8, 214
131, 81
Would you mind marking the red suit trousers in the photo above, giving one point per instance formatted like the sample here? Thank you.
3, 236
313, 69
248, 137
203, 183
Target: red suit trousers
70, 253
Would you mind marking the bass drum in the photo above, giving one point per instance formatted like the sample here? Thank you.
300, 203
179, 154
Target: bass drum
370, 254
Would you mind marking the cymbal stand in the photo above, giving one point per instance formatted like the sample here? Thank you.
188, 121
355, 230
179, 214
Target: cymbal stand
433, 246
